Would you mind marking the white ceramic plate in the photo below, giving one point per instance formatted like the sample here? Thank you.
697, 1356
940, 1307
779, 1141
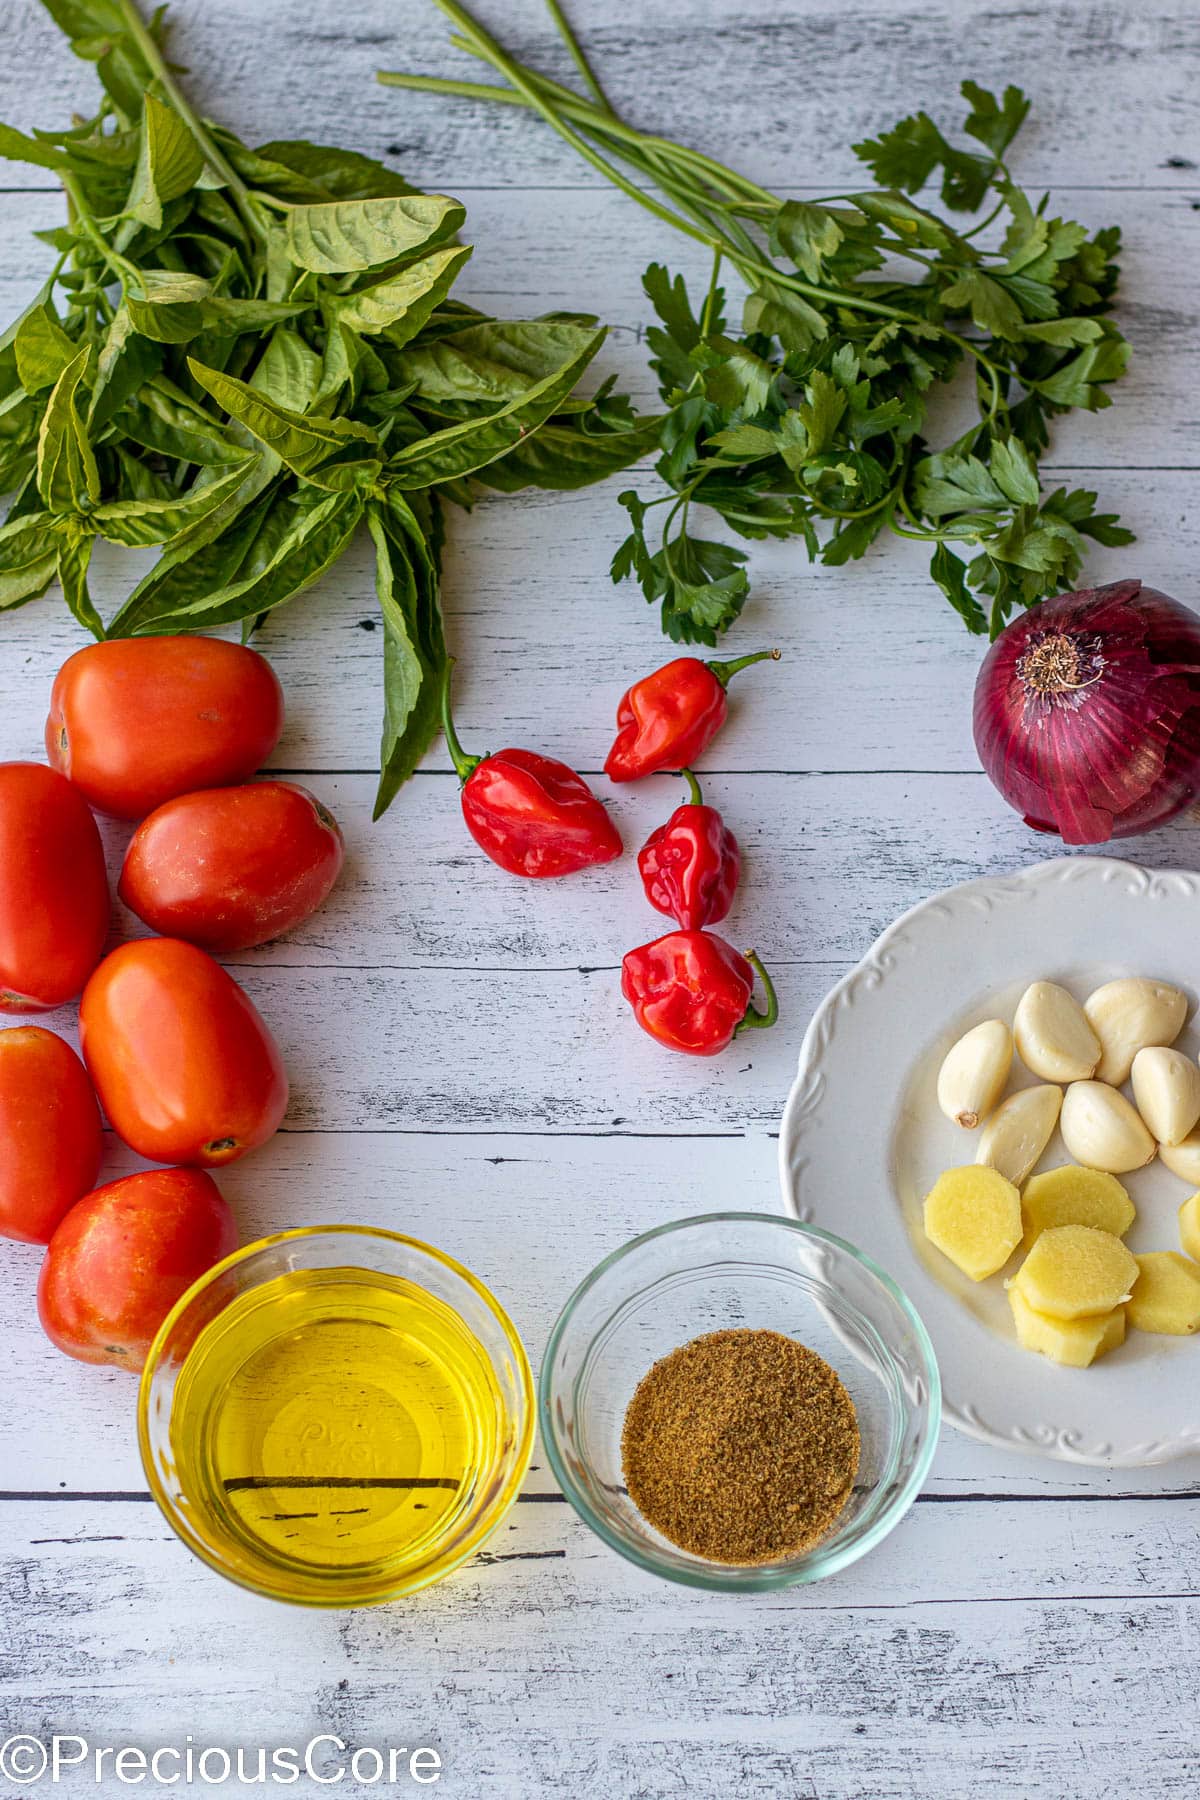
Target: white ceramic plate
863, 1140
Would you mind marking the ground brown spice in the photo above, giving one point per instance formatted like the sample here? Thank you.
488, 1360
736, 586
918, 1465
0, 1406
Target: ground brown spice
741, 1447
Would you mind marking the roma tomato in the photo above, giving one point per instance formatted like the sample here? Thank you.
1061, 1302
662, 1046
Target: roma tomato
183, 1064
49, 1129
123, 1256
135, 721
232, 867
54, 904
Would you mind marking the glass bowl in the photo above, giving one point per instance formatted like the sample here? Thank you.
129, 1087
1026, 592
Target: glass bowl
306, 1455
723, 1271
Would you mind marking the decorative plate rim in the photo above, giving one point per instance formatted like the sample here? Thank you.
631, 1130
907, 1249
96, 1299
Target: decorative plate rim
980, 896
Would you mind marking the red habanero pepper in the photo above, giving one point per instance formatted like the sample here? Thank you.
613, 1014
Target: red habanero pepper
667, 719
690, 865
532, 815
692, 991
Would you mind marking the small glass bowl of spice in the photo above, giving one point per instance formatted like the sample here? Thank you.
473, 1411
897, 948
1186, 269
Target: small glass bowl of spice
739, 1401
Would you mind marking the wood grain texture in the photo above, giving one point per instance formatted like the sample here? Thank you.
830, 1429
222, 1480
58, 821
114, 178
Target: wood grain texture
464, 1068
549, 1667
781, 90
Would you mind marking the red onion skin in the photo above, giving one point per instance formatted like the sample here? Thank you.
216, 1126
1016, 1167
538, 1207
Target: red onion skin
1087, 712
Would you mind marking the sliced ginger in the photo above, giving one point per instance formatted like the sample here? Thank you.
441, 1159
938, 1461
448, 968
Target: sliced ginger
973, 1216
1077, 1343
1074, 1196
1166, 1297
1189, 1227
1074, 1270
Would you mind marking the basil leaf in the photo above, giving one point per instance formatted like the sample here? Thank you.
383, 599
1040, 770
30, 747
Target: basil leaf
416, 520
68, 480
125, 363
401, 303
155, 521
176, 308
42, 349
343, 174
169, 163
230, 318
412, 664
496, 361
362, 234
16, 147
448, 455
323, 528
562, 456
349, 362
337, 450
288, 372
206, 555
28, 558
133, 479
165, 420
74, 556
170, 307
99, 30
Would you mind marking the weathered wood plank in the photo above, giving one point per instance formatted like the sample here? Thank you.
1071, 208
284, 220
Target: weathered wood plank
781, 97
868, 1683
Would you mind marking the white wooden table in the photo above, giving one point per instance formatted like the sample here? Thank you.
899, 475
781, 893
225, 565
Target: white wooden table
463, 1065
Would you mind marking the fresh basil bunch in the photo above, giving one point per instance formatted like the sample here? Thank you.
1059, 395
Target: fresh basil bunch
243, 356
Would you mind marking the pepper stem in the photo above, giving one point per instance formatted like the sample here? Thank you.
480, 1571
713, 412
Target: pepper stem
695, 797
755, 1020
725, 671
464, 765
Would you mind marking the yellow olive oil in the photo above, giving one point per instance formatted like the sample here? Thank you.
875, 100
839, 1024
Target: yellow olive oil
336, 1421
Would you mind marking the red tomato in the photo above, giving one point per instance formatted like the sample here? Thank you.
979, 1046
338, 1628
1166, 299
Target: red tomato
231, 867
54, 904
135, 721
123, 1256
183, 1064
49, 1130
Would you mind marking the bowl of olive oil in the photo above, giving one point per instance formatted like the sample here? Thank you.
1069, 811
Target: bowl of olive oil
336, 1416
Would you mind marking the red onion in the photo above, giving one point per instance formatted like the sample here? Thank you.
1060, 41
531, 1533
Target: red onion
1087, 712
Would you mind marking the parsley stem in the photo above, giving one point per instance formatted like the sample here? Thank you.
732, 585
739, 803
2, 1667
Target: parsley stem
552, 100
578, 54
984, 223
734, 186
489, 50
711, 296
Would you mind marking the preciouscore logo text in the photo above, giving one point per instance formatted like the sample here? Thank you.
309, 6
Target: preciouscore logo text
325, 1760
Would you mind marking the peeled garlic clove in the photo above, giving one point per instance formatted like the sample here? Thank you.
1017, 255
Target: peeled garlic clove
1019, 1130
1166, 1087
1183, 1159
1131, 1015
972, 1077
1102, 1131
1053, 1037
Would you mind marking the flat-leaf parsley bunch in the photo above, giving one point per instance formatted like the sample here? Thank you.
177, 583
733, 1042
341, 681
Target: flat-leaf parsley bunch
810, 421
